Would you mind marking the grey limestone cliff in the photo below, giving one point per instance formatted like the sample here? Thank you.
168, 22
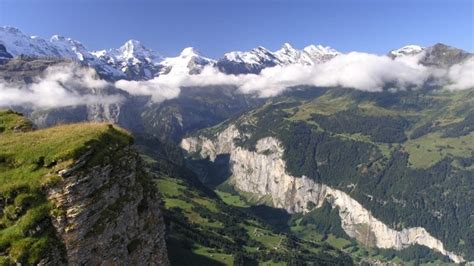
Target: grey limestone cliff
262, 172
109, 214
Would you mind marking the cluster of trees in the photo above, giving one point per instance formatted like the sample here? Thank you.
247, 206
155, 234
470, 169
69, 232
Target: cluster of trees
418, 254
326, 220
459, 129
387, 129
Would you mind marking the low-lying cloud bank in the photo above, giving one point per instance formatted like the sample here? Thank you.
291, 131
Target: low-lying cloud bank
354, 70
70, 85
60, 86
462, 75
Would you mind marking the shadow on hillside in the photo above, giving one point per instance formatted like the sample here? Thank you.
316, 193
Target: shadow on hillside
211, 173
178, 255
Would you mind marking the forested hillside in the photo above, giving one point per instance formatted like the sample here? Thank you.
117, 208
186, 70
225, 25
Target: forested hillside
405, 156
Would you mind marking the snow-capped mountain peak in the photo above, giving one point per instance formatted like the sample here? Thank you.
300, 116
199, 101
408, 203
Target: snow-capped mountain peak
255, 60
130, 47
189, 52
11, 30
133, 59
189, 61
255, 56
288, 55
70, 48
134, 52
319, 49
319, 53
406, 50
287, 46
17, 43
312, 54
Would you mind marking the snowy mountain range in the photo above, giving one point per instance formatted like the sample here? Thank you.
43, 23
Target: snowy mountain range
134, 61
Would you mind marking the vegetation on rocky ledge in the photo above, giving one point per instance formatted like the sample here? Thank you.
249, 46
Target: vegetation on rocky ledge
29, 162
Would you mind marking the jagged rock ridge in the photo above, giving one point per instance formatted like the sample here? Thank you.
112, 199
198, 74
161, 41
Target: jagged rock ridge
108, 213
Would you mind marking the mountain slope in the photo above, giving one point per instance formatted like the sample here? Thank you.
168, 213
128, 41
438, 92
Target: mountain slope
75, 194
396, 169
4, 55
204, 229
441, 55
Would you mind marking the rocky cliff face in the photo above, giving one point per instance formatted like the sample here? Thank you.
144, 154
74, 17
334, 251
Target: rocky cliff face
262, 172
108, 214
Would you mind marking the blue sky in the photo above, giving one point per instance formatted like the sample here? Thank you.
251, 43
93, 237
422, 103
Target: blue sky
218, 26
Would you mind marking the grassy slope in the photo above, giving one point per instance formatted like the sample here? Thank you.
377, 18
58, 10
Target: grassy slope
215, 233
29, 161
311, 232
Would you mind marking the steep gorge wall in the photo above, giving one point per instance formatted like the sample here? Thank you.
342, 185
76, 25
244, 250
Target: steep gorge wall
109, 214
263, 172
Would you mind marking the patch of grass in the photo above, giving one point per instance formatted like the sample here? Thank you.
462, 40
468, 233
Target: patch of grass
170, 187
432, 148
233, 200
324, 105
208, 229
29, 161
172, 190
255, 199
215, 254
337, 242
11, 121
267, 238
178, 203
272, 263
28, 157
207, 204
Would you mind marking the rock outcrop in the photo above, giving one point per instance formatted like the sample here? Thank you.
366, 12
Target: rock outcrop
108, 214
262, 172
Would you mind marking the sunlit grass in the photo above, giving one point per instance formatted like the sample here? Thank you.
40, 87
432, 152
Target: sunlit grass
430, 149
30, 160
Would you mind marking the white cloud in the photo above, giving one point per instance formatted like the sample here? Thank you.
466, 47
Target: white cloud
461, 76
69, 85
360, 71
59, 86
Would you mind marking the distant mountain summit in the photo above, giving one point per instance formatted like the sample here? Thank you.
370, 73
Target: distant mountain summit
439, 55
189, 61
17, 43
255, 60
134, 61
288, 55
406, 50
252, 61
